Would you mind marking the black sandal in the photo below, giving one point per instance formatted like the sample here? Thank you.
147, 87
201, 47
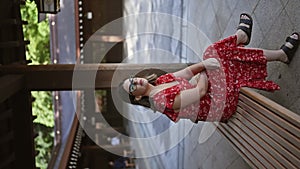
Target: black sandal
247, 30
290, 52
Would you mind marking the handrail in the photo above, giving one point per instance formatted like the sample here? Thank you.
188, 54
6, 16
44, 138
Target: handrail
54, 155
67, 149
68, 146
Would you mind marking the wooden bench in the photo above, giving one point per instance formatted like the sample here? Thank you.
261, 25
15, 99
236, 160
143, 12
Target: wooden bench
264, 133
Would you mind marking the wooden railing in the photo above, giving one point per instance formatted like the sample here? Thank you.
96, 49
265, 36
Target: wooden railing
263, 132
70, 154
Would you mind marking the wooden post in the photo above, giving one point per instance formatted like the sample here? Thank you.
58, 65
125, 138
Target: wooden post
23, 131
10, 85
79, 76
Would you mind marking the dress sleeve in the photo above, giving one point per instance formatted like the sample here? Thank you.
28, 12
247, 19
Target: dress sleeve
166, 78
164, 110
164, 100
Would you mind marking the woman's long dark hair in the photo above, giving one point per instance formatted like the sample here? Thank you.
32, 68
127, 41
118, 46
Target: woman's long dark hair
151, 75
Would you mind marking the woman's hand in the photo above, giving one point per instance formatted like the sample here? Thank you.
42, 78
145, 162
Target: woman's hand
211, 64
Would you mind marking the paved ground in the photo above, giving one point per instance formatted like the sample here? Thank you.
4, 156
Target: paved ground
273, 21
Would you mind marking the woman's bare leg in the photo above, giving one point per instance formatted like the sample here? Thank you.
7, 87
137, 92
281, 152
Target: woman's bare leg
241, 35
275, 55
278, 55
271, 55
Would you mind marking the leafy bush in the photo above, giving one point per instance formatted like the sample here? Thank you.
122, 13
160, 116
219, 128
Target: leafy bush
38, 34
38, 52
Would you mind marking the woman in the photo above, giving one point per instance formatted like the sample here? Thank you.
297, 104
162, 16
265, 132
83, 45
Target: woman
227, 67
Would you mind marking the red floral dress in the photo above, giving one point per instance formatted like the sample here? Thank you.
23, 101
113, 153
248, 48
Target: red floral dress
239, 67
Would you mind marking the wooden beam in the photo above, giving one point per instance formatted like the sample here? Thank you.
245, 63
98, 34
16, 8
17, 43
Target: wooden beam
79, 76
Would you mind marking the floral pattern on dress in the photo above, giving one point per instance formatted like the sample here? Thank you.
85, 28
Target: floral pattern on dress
240, 67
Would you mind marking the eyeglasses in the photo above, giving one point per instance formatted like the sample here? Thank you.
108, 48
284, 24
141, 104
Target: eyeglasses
132, 86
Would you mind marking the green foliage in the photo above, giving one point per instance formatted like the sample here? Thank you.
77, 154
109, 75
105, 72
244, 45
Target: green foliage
44, 123
42, 108
43, 144
38, 51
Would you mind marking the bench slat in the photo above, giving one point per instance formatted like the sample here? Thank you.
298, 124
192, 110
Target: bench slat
249, 149
272, 116
264, 133
241, 149
267, 159
281, 111
271, 146
281, 134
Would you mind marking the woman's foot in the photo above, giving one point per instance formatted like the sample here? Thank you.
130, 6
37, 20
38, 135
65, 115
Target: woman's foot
290, 47
244, 29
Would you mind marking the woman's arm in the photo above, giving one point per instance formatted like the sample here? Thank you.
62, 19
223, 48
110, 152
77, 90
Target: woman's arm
194, 69
190, 96
190, 71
